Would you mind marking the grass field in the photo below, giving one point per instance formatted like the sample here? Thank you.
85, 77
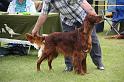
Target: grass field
23, 68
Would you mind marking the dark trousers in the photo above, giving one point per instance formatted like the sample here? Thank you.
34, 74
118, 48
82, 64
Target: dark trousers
95, 53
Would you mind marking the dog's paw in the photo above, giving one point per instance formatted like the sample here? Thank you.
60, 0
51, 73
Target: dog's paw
38, 70
51, 70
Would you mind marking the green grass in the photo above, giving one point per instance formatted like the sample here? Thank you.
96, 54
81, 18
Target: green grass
23, 68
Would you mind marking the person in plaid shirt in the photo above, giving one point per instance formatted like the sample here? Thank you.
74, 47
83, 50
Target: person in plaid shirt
72, 14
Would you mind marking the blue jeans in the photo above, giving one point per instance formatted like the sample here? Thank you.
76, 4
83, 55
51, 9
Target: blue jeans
95, 53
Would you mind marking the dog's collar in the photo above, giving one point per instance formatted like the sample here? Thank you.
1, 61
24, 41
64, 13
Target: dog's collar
85, 51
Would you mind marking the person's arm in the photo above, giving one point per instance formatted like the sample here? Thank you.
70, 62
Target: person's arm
41, 20
88, 8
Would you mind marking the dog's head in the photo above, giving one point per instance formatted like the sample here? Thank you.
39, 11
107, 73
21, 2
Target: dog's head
36, 41
89, 22
93, 19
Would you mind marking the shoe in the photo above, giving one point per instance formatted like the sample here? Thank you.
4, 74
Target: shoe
68, 69
101, 68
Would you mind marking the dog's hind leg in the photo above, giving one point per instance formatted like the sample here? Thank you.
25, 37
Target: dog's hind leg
47, 54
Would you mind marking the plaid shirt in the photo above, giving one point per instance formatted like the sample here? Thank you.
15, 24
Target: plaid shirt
70, 10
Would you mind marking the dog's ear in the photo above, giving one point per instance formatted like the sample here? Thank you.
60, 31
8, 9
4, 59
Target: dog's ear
29, 37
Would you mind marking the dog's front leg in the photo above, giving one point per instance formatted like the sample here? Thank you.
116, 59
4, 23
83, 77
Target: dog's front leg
89, 43
84, 65
77, 62
80, 67
40, 60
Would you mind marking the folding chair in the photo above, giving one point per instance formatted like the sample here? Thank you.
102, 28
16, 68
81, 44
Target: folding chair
117, 9
108, 19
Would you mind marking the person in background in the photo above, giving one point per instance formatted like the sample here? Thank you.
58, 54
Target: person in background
20, 6
38, 5
4, 5
117, 14
72, 14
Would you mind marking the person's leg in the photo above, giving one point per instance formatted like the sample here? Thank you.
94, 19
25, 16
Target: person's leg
96, 53
68, 60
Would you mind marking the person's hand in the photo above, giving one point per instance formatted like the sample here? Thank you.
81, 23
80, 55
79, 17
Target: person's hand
93, 13
41, 20
88, 8
35, 31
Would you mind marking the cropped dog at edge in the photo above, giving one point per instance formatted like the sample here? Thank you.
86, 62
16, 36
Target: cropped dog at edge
76, 44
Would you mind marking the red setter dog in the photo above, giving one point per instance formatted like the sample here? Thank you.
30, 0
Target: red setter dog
75, 44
